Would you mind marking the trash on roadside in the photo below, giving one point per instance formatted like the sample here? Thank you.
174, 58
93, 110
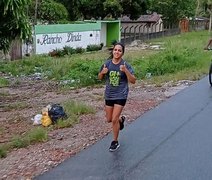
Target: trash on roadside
45, 120
50, 114
56, 112
148, 75
37, 119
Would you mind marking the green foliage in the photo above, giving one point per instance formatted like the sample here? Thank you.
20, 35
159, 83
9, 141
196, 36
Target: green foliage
171, 61
181, 53
26, 66
14, 106
134, 8
91, 9
73, 110
52, 12
3, 82
172, 11
77, 108
140, 67
35, 135
58, 52
3, 152
18, 142
84, 73
113, 7
14, 22
79, 50
94, 47
73, 7
99, 9
69, 50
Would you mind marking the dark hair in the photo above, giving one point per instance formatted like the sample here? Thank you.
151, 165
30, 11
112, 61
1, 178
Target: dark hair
122, 45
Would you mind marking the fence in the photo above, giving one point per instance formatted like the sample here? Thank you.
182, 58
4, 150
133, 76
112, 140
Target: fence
145, 32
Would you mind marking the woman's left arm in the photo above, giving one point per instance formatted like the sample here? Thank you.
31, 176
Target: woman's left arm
130, 77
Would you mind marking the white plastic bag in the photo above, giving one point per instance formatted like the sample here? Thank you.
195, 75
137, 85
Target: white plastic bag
37, 119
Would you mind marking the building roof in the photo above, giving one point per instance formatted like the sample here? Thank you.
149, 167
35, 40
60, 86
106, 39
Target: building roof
149, 18
152, 18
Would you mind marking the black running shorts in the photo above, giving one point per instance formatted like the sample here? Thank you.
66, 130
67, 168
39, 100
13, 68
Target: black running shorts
121, 102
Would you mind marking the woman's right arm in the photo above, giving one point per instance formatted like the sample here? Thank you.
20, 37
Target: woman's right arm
103, 72
100, 75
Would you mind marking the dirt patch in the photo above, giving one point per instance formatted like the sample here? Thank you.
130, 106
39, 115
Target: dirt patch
23, 100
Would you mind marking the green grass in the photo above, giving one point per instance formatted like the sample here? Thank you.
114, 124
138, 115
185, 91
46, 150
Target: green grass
35, 135
77, 108
182, 58
73, 110
4, 93
3, 152
3, 82
182, 53
15, 106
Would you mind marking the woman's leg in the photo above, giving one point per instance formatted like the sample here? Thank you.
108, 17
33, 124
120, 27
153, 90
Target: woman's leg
109, 113
115, 120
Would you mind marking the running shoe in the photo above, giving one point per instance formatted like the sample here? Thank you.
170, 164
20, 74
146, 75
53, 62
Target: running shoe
114, 146
121, 122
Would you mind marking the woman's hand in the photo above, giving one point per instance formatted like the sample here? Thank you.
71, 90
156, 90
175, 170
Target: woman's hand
104, 70
123, 68
131, 78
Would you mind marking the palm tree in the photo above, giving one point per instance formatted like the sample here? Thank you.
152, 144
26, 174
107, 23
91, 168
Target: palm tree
14, 22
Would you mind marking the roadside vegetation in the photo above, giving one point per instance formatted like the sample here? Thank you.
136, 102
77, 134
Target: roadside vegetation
181, 57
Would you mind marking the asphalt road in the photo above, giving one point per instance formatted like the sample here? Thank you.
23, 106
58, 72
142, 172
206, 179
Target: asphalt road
171, 142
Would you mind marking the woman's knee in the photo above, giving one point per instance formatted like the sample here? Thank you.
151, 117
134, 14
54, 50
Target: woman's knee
115, 121
108, 118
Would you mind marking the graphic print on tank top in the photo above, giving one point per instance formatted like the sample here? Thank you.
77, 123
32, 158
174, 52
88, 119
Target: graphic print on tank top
114, 78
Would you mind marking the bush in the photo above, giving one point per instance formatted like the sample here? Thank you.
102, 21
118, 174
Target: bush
69, 50
171, 61
84, 73
94, 47
79, 50
57, 53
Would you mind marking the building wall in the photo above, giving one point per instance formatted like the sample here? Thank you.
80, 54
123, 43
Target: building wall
50, 37
103, 35
113, 32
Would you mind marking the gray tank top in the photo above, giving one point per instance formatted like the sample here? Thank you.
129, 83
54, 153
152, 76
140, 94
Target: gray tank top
116, 80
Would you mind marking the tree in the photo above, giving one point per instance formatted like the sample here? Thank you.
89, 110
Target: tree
99, 9
134, 8
113, 8
73, 8
47, 11
208, 5
14, 22
172, 11
92, 9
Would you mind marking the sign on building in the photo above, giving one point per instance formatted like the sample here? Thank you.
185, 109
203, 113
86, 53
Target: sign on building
81, 34
51, 37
